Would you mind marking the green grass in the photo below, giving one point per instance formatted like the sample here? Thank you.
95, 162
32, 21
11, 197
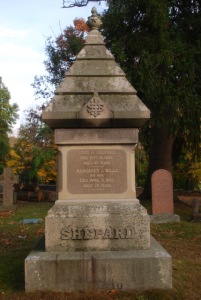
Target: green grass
16, 241
182, 240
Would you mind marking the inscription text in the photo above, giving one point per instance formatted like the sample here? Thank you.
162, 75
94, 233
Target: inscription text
79, 233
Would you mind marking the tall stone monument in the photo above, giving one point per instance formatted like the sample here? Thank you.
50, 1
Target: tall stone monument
97, 235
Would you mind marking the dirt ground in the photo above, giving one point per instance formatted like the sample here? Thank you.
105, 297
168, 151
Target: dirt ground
188, 196
184, 196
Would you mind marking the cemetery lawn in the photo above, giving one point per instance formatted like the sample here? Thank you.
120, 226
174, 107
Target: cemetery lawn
182, 240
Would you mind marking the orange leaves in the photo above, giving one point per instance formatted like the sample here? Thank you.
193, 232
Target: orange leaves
5, 214
81, 25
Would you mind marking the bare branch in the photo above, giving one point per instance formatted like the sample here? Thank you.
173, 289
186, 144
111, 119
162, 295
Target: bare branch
78, 3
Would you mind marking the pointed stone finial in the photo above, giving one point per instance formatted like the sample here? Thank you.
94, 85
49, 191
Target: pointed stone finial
94, 21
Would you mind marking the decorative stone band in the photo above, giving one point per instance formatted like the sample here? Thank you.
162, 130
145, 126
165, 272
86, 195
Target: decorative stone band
79, 233
101, 136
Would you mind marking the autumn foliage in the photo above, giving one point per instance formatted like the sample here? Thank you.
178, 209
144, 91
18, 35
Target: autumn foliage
34, 155
81, 25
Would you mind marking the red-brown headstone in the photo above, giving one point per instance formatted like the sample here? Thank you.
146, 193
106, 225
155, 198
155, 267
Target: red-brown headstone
162, 192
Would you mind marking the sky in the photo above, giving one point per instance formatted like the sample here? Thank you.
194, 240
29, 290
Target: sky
24, 28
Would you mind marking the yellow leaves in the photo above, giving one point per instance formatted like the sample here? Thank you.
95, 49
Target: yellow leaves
41, 173
48, 171
195, 171
189, 169
12, 153
15, 162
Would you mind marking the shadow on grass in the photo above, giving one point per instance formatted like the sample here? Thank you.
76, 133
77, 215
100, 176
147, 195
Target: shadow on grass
12, 271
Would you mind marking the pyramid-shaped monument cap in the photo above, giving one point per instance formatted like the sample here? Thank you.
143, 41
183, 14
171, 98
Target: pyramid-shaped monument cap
95, 91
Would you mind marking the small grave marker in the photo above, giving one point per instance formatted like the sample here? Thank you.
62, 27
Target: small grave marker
162, 197
9, 179
196, 216
162, 192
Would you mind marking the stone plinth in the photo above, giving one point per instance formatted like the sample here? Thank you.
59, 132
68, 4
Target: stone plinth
99, 270
96, 164
102, 225
97, 207
164, 218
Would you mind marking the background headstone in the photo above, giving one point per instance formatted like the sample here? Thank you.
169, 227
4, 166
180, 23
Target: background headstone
196, 216
162, 192
9, 179
1, 191
162, 197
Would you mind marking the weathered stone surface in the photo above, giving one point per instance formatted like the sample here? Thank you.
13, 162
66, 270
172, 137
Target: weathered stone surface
95, 71
164, 218
103, 225
97, 172
97, 234
100, 84
96, 136
99, 270
96, 112
100, 68
8, 179
94, 38
99, 52
127, 110
94, 171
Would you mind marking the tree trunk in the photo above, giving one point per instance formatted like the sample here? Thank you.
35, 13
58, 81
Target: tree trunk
160, 157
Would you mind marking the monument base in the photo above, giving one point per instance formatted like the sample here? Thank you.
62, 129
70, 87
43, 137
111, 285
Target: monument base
164, 218
97, 226
99, 270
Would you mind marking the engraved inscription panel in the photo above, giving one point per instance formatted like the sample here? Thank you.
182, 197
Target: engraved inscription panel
79, 233
94, 171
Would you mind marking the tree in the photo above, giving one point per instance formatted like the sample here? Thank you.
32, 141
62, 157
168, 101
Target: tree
78, 3
187, 172
34, 155
8, 116
61, 53
158, 44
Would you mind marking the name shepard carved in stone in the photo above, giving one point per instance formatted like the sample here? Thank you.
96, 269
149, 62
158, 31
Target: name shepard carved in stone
79, 233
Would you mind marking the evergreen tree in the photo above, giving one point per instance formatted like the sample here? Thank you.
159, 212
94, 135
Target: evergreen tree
158, 44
